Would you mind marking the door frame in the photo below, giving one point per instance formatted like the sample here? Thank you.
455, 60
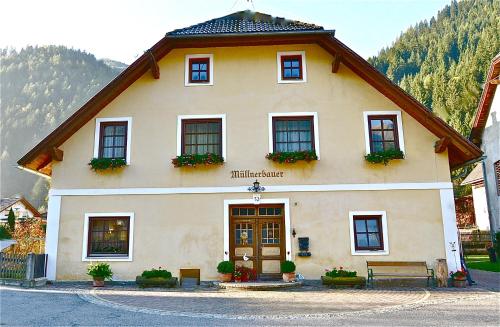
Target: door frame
288, 233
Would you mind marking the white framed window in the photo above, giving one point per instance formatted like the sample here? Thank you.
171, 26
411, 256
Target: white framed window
294, 131
292, 67
199, 69
200, 134
368, 231
108, 236
113, 138
383, 131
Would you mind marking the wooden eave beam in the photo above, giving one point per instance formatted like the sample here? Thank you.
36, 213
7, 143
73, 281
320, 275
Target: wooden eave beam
155, 69
442, 144
57, 154
336, 63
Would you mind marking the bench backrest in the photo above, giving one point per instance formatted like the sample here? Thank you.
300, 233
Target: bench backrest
396, 264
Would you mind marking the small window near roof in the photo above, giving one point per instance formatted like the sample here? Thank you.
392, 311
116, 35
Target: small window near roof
292, 67
199, 70
383, 132
201, 136
113, 140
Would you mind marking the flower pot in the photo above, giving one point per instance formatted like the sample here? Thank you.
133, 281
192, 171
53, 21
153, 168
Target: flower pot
98, 282
224, 278
459, 282
156, 282
237, 279
289, 277
357, 281
244, 278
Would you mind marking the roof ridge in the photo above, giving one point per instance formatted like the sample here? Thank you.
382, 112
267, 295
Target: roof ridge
249, 22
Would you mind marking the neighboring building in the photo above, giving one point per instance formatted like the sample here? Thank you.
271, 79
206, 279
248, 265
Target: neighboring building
476, 180
21, 207
486, 133
240, 87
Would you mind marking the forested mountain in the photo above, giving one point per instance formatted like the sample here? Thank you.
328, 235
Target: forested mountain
443, 62
39, 88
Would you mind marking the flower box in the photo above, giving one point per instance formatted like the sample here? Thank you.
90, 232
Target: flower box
384, 156
156, 282
97, 164
193, 160
292, 157
344, 281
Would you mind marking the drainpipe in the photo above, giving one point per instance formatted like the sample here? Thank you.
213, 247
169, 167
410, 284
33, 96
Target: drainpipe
488, 204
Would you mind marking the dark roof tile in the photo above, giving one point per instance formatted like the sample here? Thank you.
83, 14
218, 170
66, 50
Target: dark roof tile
245, 22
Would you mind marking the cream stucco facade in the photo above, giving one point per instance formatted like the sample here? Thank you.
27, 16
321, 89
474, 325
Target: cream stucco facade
179, 212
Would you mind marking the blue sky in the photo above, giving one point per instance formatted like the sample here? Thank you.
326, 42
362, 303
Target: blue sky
123, 29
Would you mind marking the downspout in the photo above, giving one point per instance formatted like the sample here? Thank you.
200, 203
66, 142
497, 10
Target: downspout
488, 204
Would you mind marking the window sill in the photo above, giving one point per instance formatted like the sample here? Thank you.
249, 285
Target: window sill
107, 259
199, 84
291, 81
367, 252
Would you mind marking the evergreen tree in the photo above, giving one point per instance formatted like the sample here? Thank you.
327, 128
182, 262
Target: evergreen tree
11, 221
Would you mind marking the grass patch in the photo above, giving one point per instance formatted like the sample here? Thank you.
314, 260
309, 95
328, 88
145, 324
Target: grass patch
482, 262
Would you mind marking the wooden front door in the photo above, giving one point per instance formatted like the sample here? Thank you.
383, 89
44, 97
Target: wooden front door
257, 234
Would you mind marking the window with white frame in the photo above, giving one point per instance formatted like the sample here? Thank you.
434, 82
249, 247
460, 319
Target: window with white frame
294, 131
113, 138
368, 233
108, 236
383, 131
292, 67
201, 134
199, 70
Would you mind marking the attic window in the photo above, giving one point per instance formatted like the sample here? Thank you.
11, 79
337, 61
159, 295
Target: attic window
383, 131
199, 70
112, 138
292, 67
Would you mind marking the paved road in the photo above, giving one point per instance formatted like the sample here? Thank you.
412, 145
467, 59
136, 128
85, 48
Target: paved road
121, 307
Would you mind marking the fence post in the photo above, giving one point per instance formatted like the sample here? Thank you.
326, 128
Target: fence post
30, 266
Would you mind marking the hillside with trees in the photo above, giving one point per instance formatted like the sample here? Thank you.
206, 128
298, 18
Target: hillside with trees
40, 88
443, 62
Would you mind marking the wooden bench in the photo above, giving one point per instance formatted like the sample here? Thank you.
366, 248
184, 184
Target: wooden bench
399, 269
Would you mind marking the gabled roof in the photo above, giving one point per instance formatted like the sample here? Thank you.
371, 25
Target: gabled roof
245, 22
475, 176
483, 109
6, 203
39, 159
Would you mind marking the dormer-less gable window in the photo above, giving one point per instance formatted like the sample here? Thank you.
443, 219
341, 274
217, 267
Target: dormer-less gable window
199, 70
201, 134
112, 138
292, 67
383, 131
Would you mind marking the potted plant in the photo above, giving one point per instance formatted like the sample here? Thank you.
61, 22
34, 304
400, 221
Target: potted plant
225, 269
384, 156
193, 160
459, 278
99, 272
100, 164
237, 276
156, 278
342, 277
288, 271
292, 157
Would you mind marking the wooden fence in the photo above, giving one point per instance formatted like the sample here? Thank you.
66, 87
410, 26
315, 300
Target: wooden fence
475, 242
23, 267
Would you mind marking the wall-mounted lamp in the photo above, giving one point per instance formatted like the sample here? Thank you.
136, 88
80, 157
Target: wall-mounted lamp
294, 232
256, 188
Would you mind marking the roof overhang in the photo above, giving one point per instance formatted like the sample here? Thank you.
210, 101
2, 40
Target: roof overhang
40, 158
483, 109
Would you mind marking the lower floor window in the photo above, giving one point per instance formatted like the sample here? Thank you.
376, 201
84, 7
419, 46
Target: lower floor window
108, 236
368, 233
